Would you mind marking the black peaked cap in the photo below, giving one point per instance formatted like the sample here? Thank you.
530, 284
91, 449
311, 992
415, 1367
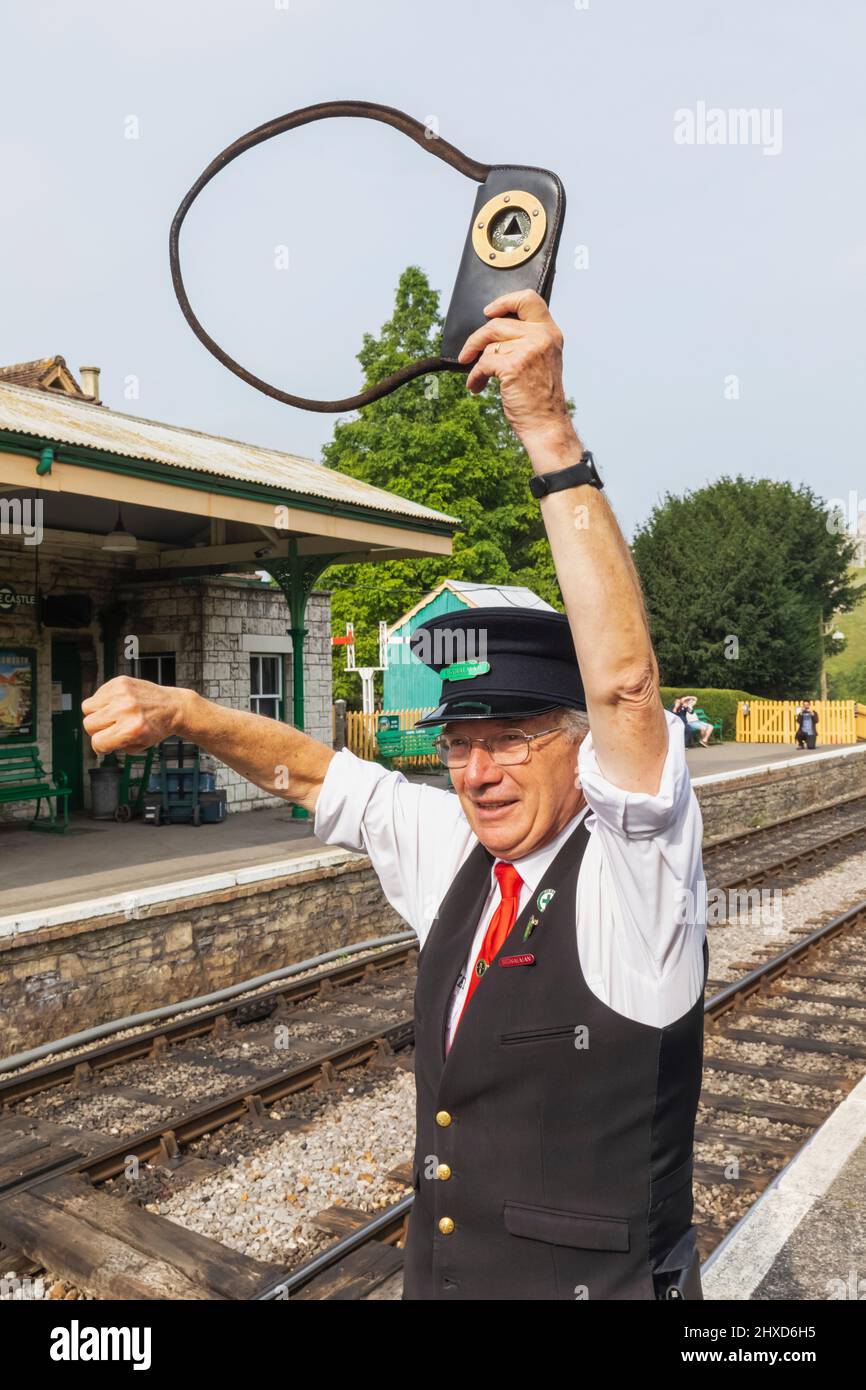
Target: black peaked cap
499, 663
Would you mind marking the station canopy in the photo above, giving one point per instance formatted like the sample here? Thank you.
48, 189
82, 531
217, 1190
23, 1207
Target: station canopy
194, 503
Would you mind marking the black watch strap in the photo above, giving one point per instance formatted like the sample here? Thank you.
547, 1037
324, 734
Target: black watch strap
574, 476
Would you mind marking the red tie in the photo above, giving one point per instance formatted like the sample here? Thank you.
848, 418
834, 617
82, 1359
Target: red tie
503, 919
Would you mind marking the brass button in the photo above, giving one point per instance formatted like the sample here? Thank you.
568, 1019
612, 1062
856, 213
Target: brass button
443, 1172
443, 1118
446, 1225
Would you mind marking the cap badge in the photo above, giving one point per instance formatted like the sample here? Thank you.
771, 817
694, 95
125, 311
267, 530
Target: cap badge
464, 670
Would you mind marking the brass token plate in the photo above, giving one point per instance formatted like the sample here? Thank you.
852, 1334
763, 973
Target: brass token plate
500, 240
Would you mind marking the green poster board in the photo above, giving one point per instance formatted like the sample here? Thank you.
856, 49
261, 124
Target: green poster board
17, 694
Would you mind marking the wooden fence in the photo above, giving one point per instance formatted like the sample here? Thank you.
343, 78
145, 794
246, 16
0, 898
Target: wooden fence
775, 721
361, 734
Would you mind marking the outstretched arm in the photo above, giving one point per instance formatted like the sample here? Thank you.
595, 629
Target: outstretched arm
594, 567
131, 715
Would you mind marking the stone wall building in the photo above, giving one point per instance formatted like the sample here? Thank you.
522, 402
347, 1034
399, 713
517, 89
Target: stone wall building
224, 634
215, 635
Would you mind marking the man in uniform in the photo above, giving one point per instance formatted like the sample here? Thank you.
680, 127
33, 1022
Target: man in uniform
559, 1004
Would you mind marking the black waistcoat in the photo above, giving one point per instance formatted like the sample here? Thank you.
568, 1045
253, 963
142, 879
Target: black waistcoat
565, 1160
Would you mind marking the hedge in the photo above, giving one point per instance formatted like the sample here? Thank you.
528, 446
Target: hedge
718, 704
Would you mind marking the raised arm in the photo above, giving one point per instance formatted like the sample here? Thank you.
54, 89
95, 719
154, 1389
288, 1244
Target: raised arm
596, 574
131, 715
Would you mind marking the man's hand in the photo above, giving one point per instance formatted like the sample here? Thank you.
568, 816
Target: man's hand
526, 355
131, 715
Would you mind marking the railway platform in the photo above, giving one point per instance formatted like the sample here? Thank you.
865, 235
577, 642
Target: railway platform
733, 758
99, 859
804, 1239
96, 859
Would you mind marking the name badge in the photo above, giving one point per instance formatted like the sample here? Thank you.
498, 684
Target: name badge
517, 960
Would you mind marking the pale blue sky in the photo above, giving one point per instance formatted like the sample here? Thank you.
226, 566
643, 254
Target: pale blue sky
705, 262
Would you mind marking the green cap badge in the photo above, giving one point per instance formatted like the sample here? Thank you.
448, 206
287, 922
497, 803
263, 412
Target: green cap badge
464, 670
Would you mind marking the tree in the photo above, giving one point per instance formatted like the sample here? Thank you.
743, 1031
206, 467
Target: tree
433, 442
848, 685
740, 578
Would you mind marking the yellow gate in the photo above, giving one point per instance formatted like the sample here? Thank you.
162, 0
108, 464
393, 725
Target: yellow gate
775, 721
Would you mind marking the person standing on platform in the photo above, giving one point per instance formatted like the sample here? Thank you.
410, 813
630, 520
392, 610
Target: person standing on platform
807, 726
556, 895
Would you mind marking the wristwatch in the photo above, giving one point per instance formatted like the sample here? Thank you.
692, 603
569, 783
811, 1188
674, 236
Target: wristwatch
573, 476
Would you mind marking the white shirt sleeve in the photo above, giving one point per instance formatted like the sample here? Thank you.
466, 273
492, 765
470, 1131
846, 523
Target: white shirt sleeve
650, 862
416, 836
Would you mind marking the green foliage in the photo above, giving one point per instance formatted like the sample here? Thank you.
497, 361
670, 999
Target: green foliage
846, 673
748, 558
848, 684
717, 704
433, 442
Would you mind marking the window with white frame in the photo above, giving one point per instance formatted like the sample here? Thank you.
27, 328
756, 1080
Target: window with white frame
266, 685
158, 667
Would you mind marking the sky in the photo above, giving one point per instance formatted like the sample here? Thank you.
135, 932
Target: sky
711, 277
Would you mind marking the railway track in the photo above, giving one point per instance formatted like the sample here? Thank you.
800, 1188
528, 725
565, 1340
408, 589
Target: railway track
753, 857
45, 1165
51, 1146
213, 1023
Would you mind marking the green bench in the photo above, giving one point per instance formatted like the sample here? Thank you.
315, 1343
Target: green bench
718, 726
405, 743
23, 778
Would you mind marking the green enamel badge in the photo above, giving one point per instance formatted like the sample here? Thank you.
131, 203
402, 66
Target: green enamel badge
544, 898
464, 670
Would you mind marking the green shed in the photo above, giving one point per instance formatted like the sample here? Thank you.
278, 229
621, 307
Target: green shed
408, 683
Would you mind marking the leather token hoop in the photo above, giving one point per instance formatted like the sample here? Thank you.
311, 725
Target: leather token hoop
511, 244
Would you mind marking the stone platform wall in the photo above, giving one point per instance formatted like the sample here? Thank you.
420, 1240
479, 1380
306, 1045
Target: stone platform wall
60, 980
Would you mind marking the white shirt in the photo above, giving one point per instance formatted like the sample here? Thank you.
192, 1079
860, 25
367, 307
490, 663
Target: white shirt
639, 916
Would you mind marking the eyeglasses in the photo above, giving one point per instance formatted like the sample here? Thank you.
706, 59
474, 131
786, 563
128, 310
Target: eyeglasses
505, 749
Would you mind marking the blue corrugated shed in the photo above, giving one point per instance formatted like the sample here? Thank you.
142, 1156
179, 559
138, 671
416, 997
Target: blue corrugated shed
408, 683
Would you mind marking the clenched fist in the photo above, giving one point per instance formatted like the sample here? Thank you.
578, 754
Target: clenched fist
131, 715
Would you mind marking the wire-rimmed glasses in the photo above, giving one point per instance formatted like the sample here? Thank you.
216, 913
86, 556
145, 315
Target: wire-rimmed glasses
507, 749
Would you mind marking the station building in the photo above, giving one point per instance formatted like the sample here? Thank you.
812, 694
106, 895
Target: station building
130, 546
